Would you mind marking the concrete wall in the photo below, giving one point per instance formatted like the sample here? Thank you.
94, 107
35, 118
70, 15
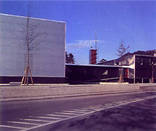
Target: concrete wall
47, 57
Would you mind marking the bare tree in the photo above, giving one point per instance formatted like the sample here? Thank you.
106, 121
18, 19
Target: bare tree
122, 49
70, 58
27, 69
30, 44
120, 52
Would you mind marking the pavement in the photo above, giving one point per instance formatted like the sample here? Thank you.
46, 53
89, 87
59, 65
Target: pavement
45, 91
138, 116
43, 114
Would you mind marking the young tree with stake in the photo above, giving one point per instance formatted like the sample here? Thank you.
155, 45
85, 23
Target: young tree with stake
31, 36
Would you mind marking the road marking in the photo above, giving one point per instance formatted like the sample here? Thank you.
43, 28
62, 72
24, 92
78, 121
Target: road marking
90, 112
108, 104
21, 122
74, 112
15, 127
67, 113
129, 102
46, 117
36, 120
57, 115
77, 110
98, 109
90, 107
84, 110
94, 108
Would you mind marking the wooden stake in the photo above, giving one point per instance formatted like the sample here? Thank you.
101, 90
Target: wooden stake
25, 79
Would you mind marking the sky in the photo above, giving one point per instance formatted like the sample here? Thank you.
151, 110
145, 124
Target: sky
108, 22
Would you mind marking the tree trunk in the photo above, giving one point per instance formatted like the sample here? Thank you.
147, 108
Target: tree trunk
27, 70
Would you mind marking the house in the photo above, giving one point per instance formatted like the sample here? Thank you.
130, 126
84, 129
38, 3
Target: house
142, 66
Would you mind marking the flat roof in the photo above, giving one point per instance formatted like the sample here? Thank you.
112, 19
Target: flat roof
94, 65
42, 19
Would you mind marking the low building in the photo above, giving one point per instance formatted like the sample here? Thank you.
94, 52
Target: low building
94, 73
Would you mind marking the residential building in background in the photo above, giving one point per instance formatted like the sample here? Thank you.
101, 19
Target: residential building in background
142, 66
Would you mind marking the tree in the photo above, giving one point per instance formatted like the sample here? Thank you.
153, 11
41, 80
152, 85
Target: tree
120, 52
122, 49
70, 58
102, 61
28, 40
31, 34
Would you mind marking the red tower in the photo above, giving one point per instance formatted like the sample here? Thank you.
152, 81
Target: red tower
92, 56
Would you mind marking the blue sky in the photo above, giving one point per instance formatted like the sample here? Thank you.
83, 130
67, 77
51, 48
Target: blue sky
133, 22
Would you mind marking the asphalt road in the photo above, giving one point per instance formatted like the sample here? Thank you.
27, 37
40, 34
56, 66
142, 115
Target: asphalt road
31, 115
140, 116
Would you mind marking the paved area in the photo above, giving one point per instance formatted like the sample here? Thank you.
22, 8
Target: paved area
42, 115
139, 116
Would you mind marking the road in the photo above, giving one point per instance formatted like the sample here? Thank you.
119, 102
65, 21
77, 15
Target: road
136, 116
36, 114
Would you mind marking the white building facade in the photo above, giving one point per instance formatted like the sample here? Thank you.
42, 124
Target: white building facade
47, 54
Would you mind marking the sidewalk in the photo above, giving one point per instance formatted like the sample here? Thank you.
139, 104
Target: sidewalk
44, 91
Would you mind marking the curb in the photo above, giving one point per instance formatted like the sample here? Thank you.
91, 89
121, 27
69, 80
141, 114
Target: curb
63, 94
68, 96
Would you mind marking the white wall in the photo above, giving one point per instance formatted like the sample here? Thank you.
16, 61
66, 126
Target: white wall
48, 57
